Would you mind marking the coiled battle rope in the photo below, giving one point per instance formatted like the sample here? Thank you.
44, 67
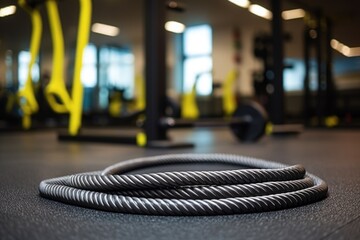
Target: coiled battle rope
267, 186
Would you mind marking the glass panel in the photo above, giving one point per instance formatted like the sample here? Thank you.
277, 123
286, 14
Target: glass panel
198, 68
24, 60
313, 75
198, 60
294, 76
198, 40
116, 70
89, 71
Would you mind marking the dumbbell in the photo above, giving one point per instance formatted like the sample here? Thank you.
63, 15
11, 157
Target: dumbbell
248, 122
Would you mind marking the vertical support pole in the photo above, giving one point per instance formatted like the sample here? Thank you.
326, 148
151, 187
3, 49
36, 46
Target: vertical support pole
320, 70
77, 88
307, 96
277, 99
155, 70
330, 88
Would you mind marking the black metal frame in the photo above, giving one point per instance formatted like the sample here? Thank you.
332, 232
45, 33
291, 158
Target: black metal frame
325, 94
155, 69
276, 99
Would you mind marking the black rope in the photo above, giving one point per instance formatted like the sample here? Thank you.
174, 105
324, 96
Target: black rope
267, 186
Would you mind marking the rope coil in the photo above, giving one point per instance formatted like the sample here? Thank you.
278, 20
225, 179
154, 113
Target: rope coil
267, 186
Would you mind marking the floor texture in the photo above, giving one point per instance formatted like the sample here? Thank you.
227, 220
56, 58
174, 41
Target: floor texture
28, 158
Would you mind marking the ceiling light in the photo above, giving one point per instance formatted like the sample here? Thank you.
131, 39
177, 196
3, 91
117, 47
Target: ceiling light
241, 3
355, 51
293, 14
105, 29
334, 43
344, 49
174, 27
260, 11
6, 11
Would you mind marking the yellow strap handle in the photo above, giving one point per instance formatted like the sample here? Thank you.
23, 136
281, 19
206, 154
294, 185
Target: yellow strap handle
56, 87
229, 98
189, 108
140, 93
141, 139
139, 102
82, 41
115, 104
28, 103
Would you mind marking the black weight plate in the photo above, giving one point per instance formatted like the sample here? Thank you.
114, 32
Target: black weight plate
254, 129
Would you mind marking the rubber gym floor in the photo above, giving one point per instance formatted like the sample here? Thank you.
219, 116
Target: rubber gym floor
28, 158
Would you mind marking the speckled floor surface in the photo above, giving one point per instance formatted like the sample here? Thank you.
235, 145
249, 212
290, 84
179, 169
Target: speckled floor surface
28, 158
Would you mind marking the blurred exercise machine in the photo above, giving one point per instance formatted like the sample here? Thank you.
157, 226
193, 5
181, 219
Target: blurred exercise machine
317, 38
271, 87
264, 85
248, 123
156, 125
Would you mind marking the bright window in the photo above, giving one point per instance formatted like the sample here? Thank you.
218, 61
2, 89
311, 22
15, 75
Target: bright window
89, 70
116, 71
197, 59
198, 41
24, 60
294, 76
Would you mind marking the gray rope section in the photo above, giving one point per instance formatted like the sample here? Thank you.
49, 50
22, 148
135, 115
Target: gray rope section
223, 191
267, 186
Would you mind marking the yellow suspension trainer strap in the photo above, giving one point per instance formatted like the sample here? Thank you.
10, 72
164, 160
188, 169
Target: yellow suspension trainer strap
140, 93
56, 87
77, 90
189, 108
28, 103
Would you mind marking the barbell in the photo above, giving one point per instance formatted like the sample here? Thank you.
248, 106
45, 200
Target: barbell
248, 123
